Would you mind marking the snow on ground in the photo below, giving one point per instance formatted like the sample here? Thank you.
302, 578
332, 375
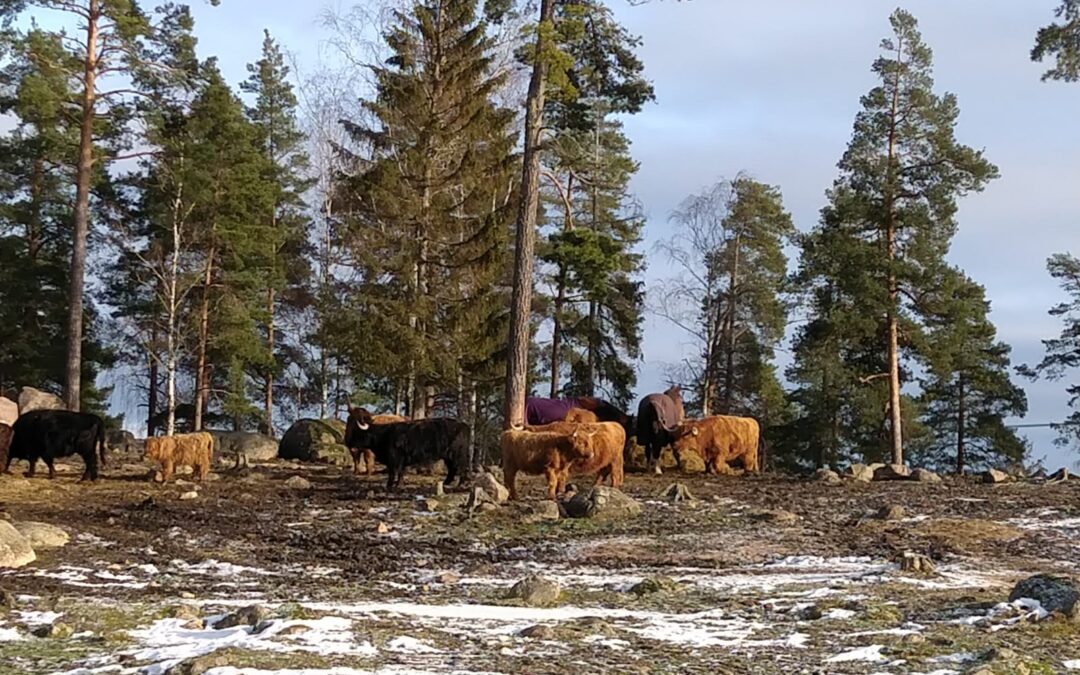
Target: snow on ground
870, 653
1072, 665
1006, 614
10, 635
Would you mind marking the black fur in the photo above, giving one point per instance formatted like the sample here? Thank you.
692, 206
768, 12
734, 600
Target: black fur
51, 434
403, 444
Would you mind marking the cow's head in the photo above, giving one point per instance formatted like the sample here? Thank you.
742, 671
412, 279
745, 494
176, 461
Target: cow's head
153, 448
360, 421
686, 438
583, 444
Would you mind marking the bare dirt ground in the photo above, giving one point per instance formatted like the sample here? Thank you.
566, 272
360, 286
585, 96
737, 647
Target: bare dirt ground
354, 582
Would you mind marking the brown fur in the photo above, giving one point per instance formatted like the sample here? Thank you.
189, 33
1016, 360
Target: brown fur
365, 453
721, 440
545, 452
581, 416
609, 439
6, 433
194, 450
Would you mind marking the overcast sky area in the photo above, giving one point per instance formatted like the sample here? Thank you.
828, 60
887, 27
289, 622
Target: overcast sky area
772, 89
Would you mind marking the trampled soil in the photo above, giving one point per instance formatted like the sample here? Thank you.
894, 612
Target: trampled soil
361, 582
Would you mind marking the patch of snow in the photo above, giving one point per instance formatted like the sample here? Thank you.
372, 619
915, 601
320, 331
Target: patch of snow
839, 614
340, 670
11, 635
410, 645
907, 629
93, 540
603, 641
216, 568
959, 657
1072, 665
32, 618
870, 653
1006, 614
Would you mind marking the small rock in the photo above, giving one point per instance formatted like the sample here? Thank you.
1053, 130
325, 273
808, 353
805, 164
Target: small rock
892, 472
493, 487
213, 477
811, 613
994, 476
298, 483
57, 630
15, 549
440, 489
827, 476
538, 632
479, 499
42, 536
1057, 595
429, 505
295, 629
650, 585
891, 512
677, 492
188, 496
252, 615
773, 516
199, 665
181, 483
861, 473
537, 512
602, 502
925, 476
7, 600
186, 595
536, 591
914, 639
382, 528
188, 612
1000, 654
449, 578
916, 563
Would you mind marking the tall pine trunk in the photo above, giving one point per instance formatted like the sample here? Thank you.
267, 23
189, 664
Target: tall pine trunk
732, 310
517, 367
73, 369
895, 414
152, 378
201, 374
268, 402
560, 297
961, 420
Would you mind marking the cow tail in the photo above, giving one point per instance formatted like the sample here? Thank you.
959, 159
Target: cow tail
101, 442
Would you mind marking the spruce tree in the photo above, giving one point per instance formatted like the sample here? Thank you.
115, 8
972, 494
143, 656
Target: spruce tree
967, 393
424, 212
274, 115
896, 195
1062, 42
597, 300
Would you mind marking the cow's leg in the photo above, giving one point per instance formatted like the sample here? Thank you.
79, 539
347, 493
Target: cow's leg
369, 462
33, 467
451, 473
509, 476
166, 470
91, 473
52, 469
721, 468
552, 482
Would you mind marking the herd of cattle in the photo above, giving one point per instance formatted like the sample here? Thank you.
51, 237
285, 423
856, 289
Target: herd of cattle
561, 437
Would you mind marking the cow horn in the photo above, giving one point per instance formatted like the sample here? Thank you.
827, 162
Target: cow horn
362, 427
694, 431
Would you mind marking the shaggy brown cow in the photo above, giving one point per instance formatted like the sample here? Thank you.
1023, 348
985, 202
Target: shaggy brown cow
366, 453
194, 450
721, 440
542, 452
581, 416
607, 459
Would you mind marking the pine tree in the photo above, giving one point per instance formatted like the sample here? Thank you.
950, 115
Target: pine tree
967, 393
36, 191
896, 195
115, 37
424, 213
1062, 42
274, 115
1063, 352
730, 251
597, 302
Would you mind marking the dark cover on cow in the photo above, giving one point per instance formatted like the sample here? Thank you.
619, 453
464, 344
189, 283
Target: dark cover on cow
665, 411
540, 411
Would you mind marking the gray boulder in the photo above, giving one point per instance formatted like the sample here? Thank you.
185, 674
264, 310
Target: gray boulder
650, 585
42, 536
1057, 595
298, 483
536, 591
243, 446
9, 411
538, 512
602, 502
827, 476
15, 549
860, 472
35, 399
892, 472
995, 476
252, 615
925, 476
491, 485
311, 440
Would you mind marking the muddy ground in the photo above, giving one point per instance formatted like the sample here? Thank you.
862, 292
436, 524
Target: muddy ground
354, 581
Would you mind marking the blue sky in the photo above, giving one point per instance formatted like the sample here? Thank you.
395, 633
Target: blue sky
772, 89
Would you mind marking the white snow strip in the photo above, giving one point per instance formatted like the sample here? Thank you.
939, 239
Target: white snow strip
1072, 665
218, 569
871, 653
11, 635
32, 618
613, 643
410, 645
390, 670
839, 614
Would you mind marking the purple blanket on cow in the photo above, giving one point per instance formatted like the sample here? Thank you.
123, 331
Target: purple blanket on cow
547, 410
667, 411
